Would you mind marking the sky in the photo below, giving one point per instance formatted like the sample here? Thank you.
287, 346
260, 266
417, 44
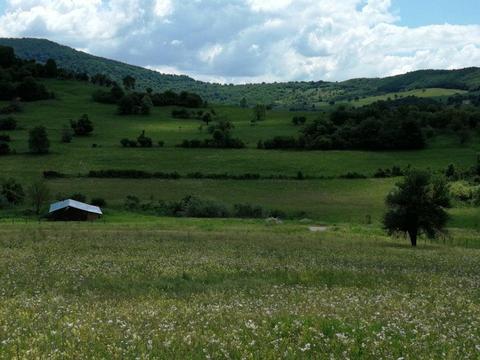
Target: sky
242, 41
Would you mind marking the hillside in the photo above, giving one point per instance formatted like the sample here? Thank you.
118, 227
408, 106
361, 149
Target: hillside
295, 95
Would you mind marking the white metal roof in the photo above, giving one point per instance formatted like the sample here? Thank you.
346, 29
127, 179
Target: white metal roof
74, 204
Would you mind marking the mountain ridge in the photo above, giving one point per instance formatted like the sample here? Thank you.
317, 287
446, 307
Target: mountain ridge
299, 94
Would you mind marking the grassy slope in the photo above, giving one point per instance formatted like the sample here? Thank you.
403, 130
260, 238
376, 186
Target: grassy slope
232, 289
433, 92
332, 201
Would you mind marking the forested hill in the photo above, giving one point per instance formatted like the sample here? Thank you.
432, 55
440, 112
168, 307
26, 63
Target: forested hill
298, 95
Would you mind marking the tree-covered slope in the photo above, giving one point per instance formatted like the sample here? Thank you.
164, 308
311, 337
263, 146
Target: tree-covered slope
298, 95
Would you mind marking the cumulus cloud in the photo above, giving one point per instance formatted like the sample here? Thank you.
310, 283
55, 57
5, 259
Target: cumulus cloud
248, 40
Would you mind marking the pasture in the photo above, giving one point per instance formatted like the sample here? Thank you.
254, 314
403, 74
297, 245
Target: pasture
179, 288
329, 200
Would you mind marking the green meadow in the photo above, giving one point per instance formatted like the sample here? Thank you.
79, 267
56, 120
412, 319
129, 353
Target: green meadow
185, 288
333, 201
324, 283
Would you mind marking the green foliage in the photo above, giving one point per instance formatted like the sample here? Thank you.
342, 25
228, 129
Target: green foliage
144, 141
293, 95
38, 140
100, 202
417, 205
12, 191
83, 126
259, 113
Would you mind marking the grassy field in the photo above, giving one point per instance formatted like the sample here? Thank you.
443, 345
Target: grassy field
422, 93
333, 201
167, 288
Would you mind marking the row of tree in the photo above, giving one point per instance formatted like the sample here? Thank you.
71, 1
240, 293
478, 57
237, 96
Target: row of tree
38, 140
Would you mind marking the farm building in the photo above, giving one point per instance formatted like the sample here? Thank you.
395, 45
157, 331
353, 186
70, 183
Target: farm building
71, 210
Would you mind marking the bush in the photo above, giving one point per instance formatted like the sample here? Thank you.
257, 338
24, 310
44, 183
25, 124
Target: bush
5, 138
38, 140
144, 141
248, 211
462, 191
353, 175
8, 123
128, 143
279, 214
100, 202
67, 135
161, 143
53, 175
12, 191
132, 203
197, 208
83, 126
30, 90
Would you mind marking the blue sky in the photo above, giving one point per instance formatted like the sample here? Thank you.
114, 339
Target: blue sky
242, 41
428, 12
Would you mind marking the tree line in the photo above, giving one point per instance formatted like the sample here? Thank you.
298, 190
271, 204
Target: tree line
402, 124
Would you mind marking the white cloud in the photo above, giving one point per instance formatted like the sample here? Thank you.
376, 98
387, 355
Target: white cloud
248, 40
163, 8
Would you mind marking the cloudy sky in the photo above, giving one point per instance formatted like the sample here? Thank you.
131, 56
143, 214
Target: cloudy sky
259, 40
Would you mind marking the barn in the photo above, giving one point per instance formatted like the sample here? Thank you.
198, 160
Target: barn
71, 210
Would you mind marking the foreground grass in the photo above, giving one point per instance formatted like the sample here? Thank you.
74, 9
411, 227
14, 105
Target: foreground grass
232, 289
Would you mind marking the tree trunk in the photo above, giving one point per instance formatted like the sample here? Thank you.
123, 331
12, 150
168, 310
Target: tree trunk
413, 237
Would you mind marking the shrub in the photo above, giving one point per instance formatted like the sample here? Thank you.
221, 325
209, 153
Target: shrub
5, 138
353, 175
279, 214
128, 143
144, 141
67, 135
83, 126
161, 143
194, 207
12, 191
31, 90
49, 174
38, 140
100, 202
132, 203
248, 211
461, 190
8, 123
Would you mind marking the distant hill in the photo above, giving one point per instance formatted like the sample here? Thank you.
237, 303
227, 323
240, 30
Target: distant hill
298, 95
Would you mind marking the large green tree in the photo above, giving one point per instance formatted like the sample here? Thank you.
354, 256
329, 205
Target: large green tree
417, 206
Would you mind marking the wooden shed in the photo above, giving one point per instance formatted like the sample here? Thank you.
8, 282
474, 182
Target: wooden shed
71, 210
